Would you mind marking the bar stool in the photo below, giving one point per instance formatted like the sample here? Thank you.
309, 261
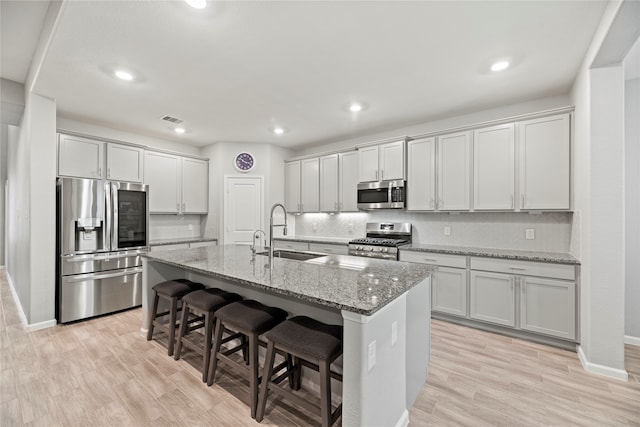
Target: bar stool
251, 319
171, 291
318, 345
202, 305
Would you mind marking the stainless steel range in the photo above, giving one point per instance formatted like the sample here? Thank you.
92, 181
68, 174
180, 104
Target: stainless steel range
382, 241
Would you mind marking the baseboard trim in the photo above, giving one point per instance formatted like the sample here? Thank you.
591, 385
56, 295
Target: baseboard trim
23, 318
594, 368
404, 419
628, 339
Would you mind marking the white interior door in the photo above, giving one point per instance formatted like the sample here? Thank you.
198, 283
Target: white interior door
243, 207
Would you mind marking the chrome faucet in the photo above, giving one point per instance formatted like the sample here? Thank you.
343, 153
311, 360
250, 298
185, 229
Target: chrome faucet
271, 225
256, 236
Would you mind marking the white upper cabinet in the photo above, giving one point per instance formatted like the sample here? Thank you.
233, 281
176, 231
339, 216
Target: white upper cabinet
544, 146
382, 162
454, 164
176, 184
195, 186
292, 186
124, 162
310, 185
329, 183
348, 181
392, 160
162, 173
368, 163
421, 175
494, 168
80, 157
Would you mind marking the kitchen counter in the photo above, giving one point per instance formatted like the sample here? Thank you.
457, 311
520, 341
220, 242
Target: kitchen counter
383, 307
176, 241
550, 257
316, 239
355, 284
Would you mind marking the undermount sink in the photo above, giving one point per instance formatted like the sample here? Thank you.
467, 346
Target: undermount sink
298, 256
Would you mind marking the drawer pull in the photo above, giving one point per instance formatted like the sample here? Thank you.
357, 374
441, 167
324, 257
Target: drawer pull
518, 268
430, 259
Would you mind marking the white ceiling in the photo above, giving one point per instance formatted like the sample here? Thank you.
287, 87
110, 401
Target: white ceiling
234, 70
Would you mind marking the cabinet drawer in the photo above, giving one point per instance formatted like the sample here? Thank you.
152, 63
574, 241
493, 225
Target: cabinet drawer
524, 268
329, 248
294, 246
441, 260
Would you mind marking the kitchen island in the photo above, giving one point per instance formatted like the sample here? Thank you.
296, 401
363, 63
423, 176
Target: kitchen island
382, 305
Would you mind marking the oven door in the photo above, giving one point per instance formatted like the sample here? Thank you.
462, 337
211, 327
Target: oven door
128, 214
374, 195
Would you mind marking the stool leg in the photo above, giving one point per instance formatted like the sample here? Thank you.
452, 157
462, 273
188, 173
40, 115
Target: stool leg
266, 377
253, 368
208, 330
217, 341
172, 325
183, 330
152, 316
297, 373
325, 393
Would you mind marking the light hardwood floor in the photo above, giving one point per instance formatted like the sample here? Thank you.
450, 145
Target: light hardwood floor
103, 372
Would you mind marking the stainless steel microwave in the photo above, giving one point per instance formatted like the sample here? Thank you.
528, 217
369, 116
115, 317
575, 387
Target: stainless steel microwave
381, 195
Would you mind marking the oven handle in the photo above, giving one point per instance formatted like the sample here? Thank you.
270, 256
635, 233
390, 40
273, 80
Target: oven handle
93, 276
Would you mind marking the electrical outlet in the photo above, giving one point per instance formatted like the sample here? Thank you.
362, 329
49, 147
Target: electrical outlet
190, 227
394, 332
447, 231
530, 233
372, 355
315, 226
350, 228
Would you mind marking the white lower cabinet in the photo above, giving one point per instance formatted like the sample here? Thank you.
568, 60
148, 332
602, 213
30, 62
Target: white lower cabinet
492, 297
449, 291
548, 306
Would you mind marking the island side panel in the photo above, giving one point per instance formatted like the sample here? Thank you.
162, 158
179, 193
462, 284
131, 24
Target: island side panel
374, 391
418, 338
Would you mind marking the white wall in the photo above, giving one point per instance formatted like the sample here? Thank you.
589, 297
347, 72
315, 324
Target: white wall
31, 225
632, 210
269, 165
598, 237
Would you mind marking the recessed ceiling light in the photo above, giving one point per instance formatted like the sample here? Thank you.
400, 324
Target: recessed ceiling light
278, 131
500, 65
354, 108
197, 4
124, 75
179, 130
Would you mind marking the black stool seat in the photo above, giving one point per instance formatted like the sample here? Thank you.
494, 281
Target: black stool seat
198, 311
311, 343
251, 316
304, 335
250, 319
171, 291
177, 288
210, 299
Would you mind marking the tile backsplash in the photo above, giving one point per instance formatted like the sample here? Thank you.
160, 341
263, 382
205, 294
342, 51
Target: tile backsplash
163, 227
501, 230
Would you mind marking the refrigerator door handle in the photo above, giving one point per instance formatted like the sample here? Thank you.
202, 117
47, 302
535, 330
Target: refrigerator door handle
94, 276
113, 191
106, 237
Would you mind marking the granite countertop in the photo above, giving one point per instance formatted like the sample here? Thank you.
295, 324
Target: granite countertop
355, 284
551, 257
316, 239
163, 242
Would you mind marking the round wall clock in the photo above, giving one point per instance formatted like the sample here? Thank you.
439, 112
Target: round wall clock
244, 162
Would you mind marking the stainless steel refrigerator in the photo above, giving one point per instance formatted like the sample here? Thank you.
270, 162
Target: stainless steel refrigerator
103, 228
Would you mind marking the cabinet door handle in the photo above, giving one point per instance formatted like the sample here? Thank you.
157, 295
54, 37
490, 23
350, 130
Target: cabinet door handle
108, 172
522, 198
381, 173
99, 172
178, 207
431, 203
441, 204
376, 174
512, 201
183, 207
